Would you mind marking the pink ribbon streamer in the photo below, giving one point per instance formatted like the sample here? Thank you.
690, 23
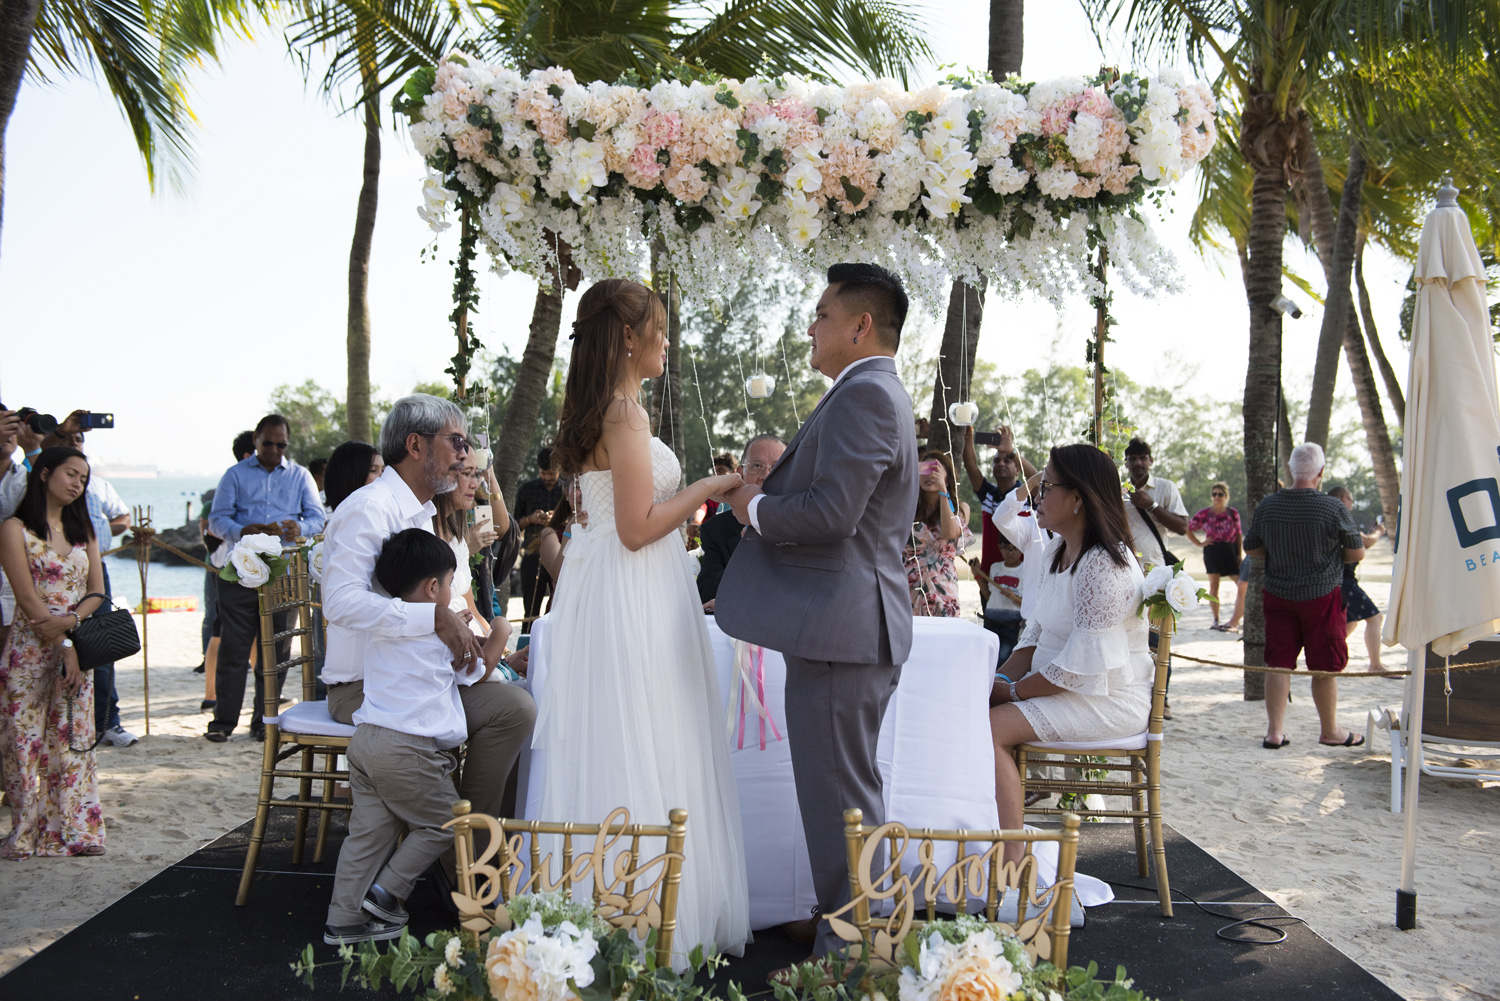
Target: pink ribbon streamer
757, 658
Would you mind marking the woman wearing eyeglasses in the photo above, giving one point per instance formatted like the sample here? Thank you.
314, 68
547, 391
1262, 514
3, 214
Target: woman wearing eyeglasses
939, 536
1220, 525
1082, 669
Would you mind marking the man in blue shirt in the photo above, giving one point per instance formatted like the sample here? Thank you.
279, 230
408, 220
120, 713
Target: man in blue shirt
267, 494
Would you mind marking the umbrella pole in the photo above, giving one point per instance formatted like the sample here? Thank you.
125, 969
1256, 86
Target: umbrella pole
1411, 734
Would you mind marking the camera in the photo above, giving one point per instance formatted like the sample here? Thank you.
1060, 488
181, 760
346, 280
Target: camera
38, 422
1286, 307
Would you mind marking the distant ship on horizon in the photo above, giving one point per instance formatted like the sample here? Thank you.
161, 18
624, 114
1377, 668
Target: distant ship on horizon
128, 472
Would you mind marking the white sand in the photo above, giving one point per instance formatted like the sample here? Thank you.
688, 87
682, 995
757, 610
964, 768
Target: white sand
1310, 825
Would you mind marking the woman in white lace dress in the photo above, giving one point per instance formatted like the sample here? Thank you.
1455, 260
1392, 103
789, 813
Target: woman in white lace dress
1083, 668
631, 713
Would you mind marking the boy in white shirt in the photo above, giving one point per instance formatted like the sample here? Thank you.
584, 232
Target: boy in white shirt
399, 771
1002, 616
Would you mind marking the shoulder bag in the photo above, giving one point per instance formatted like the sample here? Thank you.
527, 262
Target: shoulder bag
104, 637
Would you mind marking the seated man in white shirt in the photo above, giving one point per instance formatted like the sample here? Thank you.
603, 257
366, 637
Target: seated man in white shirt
423, 445
399, 768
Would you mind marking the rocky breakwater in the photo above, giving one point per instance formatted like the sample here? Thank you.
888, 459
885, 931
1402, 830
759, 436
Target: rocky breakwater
187, 538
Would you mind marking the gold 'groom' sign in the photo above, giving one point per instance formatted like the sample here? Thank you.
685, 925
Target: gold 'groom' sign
1043, 917
620, 890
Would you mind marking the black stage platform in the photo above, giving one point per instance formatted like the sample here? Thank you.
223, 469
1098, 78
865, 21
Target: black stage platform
179, 935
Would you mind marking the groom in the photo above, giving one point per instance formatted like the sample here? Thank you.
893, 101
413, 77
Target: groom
819, 575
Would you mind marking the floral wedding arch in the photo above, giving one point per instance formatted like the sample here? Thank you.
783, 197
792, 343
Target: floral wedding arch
1017, 184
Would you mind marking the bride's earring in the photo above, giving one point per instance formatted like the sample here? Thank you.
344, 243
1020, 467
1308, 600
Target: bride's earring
1075, 508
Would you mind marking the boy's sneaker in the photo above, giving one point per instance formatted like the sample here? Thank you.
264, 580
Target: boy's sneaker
382, 903
118, 736
373, 930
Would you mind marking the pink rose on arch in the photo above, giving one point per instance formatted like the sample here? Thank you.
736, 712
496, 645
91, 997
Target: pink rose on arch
644, 165
661, 129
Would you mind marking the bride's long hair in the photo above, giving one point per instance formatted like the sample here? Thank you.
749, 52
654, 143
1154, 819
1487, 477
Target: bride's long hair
598, 362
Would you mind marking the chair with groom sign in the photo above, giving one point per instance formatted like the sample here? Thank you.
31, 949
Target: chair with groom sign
303, 732
1141, 754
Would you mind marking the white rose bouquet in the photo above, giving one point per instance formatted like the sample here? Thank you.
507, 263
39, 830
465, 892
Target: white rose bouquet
254, 560
1169, 589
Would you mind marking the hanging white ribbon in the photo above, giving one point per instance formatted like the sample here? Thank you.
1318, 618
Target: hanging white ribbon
750, 672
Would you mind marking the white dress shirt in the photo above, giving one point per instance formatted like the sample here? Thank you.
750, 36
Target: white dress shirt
411, 687
355, 605
755, 501
1166, 494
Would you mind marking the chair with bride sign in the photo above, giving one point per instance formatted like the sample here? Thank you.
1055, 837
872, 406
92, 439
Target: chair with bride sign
1141, 756
910, 880
514, 861
299, 735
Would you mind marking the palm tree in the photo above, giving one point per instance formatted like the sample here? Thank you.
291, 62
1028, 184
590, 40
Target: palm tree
1276, 55
966, 302
143, 51
369, 45
602, 39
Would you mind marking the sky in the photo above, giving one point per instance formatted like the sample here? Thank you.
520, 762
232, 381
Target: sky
181, 311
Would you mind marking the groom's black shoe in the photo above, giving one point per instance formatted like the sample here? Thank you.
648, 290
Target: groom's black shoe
803, 932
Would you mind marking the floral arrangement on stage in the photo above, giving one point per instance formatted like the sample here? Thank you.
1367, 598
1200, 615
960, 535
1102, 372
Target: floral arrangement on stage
1169, 589
1011, 182
542, 947
964, 959
254, 560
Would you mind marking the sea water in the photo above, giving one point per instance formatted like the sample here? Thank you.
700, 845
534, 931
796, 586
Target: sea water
169, 498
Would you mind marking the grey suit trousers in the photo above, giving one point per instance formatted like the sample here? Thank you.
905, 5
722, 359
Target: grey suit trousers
397, 780
833, 716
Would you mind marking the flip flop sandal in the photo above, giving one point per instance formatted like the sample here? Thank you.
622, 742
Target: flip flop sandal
1348, 741
1285, 740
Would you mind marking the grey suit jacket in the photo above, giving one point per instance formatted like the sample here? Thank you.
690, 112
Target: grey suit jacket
824, 578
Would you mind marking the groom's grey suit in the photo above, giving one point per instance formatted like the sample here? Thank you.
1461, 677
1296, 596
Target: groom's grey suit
823, 583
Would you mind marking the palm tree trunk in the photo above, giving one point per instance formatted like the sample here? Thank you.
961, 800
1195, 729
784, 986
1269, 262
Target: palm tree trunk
1382, 455
955, 364
1336, 251
357, 339
525, 403
17, 21
1007, 37
1387, 373
1262, 384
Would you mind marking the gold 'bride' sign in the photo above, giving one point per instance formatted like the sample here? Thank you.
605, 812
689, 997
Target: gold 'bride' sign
623, 894
1043, 917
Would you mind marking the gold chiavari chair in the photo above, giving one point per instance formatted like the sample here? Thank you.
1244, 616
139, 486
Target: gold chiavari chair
1139, 757
1043, 917
625, 892
297, 736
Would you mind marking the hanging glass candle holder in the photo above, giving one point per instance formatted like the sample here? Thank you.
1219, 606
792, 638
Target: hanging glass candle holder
760, 385
963, 414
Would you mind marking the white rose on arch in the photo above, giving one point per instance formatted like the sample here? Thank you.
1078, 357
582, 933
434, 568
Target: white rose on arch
1181, 593
250, 568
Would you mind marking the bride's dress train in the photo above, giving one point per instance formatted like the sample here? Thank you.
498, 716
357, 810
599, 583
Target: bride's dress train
631, 713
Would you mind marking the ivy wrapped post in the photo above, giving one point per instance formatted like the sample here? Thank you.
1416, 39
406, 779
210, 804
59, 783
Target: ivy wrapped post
465, 301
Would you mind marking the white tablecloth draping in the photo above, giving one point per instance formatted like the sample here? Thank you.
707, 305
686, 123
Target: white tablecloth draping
934, 752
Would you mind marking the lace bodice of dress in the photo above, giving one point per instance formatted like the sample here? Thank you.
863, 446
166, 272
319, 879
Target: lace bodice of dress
1084, 624
599, 488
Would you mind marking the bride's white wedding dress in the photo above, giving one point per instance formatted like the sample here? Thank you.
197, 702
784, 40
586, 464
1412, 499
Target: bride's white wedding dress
631, 713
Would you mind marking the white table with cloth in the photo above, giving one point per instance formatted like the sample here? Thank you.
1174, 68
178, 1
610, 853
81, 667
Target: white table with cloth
934, 751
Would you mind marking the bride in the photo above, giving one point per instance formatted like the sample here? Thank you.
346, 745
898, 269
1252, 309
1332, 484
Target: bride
631, 715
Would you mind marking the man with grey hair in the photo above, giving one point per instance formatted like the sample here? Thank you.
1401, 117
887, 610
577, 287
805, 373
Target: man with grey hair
423, 442
1305, 537
721, 533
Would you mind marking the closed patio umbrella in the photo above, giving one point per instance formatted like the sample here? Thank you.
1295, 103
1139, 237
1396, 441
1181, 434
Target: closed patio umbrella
1445, 579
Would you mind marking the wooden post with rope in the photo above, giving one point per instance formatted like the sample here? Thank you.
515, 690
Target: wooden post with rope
144, 533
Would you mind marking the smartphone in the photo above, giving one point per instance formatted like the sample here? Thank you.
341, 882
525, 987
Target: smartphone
991, 438
91, 421
484, 512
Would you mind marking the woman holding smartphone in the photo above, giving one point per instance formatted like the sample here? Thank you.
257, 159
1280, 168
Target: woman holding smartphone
939, 537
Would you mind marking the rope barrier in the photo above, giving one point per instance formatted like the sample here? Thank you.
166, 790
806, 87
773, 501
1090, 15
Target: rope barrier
1332, 674
153, 540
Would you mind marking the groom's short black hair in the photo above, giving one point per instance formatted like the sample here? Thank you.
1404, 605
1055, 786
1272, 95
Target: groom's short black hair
410, 557
878, 292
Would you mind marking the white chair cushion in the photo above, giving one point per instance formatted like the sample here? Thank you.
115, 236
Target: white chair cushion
312, 719
1134, 743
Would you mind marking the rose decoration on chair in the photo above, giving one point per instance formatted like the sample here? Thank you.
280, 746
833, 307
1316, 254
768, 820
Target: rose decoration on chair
1169, 590
980, 966
315, 562
255, 560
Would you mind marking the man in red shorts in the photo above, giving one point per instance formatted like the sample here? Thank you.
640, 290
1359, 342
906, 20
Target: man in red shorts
1305, 537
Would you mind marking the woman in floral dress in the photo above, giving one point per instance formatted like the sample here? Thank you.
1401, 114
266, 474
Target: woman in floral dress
939, 536
46, 702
